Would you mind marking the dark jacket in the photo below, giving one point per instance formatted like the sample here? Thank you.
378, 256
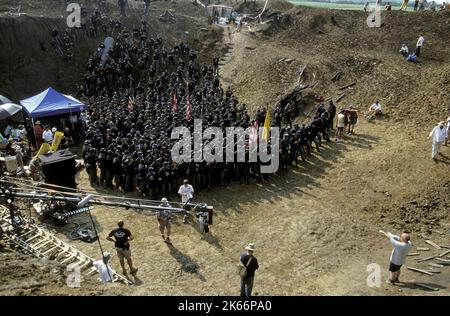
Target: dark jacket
252, 266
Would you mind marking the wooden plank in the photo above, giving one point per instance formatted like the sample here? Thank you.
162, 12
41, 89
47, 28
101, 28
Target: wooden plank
413, 254
347, 86
419, 270
444, 253
340, 97
445, 246
432, 244
443, 260
50, 250
426, 286
425, 259
422, 249
436, 265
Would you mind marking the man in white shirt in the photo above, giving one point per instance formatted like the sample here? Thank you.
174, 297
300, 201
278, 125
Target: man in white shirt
419, 45
404, 50
340, 125
402, 246
374, 110
106, 273
438, 135
186, 191
47, 136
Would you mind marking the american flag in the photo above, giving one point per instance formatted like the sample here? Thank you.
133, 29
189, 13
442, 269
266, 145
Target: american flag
188, 109
130, 103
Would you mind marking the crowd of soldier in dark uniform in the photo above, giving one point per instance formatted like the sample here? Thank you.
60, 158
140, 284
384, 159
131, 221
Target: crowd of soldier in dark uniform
131, 113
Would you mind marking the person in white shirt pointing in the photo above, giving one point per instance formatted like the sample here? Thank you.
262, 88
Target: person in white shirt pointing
402, 246
438, 136
186, 192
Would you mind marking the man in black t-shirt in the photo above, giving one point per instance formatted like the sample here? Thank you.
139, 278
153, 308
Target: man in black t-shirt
122, 238
251, 263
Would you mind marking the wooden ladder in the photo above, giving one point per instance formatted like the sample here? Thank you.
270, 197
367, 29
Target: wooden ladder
42, 244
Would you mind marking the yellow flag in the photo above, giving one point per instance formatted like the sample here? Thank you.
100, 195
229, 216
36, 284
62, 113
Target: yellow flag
265, 134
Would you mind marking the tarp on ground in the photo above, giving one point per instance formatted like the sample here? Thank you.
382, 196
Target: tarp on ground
9, 109
50, 103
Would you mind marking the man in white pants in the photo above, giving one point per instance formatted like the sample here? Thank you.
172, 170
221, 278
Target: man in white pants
438, 136
186, 191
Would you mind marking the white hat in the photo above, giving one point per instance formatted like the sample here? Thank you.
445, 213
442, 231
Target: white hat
54, 129
250, 247
164, 200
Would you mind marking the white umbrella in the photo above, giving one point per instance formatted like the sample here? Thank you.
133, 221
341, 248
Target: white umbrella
9, 109
4, 100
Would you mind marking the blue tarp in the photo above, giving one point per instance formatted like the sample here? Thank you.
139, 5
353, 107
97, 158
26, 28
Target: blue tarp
50, 103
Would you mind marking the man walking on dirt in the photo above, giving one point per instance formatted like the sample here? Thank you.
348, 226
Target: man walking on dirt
122, 238
419, 45
251, 264
163, 217
438, 136
402, 246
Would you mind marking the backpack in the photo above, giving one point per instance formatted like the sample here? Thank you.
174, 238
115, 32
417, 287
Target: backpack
242, 269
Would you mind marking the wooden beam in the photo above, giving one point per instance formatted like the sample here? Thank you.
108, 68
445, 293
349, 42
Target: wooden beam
426, 286
340, 97
419, 270
347, 86
433, 244
444, 253
436, 265
422, 249
426, 258
413, 254
443, 260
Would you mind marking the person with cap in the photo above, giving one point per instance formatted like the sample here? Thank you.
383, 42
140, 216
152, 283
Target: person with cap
186, 191
402, 246
163, 217
38, 131
438, 135
122, 238
251, 264
105, 271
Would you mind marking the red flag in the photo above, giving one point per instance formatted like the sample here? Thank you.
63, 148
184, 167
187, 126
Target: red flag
188, 109
174, 101
130, 103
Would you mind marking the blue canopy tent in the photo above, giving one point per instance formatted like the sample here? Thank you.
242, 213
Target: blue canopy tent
50, 103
